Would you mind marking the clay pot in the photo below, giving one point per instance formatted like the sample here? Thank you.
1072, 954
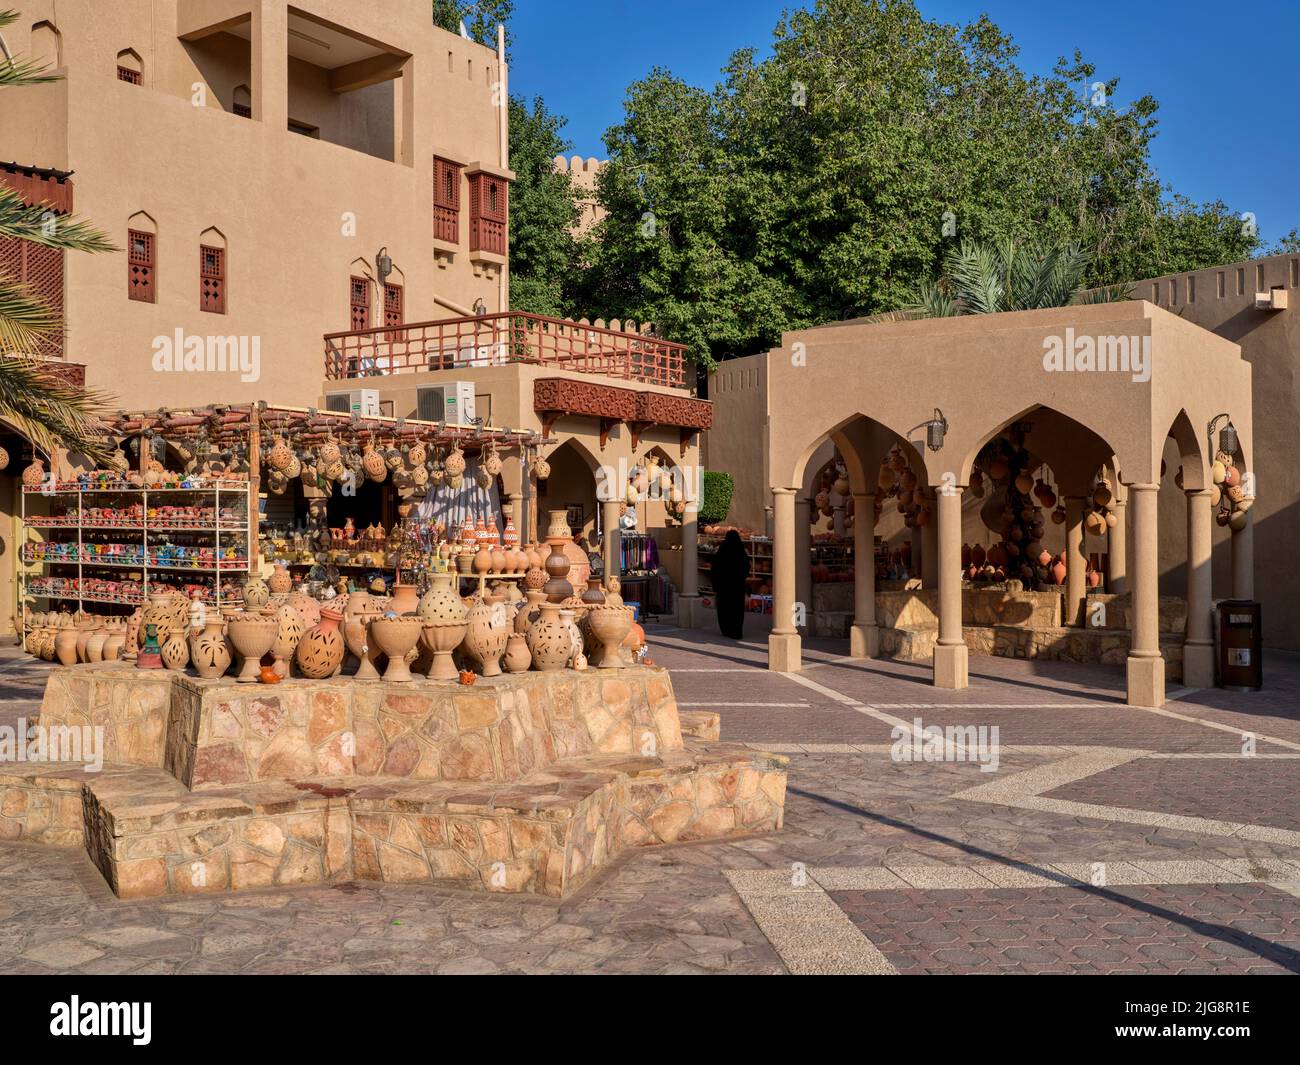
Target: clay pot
372, 462
517, 657
95, 646
320, 651
440, 602
483, 559
209, 651
549, 639
256, 594
406, 599
1058, 572
356, 634
113, 646
528, 611
307, 607
442, 637
280, 581
175, 654
557, 588
595, 594
65, 647
133, 633
395, 637
486, 635
253, 635
288, 636
610, 625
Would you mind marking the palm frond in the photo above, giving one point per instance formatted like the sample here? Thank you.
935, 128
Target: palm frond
39, 225
975, 272
15, 71
930, 299
50, 411
1116, 293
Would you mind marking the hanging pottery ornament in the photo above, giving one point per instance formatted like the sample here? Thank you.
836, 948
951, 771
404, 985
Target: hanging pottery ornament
328, 452
1058, 516
1102, 495
373, 464
294, 468
482, 478
416, 455
492, 462
280, 454
419, 476
394, 459
541, 469
885, 479
34, 474
277, 482
1024, 483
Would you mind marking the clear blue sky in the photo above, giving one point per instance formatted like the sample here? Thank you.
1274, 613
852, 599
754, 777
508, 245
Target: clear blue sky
1225, 76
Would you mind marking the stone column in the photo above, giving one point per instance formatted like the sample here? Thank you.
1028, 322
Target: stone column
783, 645
864, 636
1198, 643
1146, 669
689, 597
1117, 550
951, 668
611, 537
803, 588
930, 547
1243, 560
1076, 562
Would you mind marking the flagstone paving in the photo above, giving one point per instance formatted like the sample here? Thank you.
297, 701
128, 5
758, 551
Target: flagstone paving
1109, 839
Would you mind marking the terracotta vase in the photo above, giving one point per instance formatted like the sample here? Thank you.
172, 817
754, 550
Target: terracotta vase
486, 635
288, 636
175, 654
253, 636
549, 640
114, 646
517, 658
150, 656
83, 631
557, 587
132, 646
95, 646
256, 594
65, 647
440, 602
610, 625
396, 637
209, 651
308, 608
280, 581
320, 652
356, 634
442, 637
570, 618
594, 594
406, 599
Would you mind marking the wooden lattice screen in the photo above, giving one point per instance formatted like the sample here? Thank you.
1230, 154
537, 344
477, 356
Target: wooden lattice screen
488, 212
140, 266
212, 279
41, 270
446, 201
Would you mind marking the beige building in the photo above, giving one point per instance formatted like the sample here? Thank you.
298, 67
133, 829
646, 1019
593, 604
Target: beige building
253, 159
584, 174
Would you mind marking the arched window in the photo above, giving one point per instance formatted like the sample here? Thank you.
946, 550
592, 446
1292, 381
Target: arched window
130, 68
142, 258
212, 271
242, 102
47, 46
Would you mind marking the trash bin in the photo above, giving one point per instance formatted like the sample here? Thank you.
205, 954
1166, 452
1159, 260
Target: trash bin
1241, 664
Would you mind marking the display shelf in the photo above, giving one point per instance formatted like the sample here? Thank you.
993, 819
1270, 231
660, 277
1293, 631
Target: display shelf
758, 548
207, 522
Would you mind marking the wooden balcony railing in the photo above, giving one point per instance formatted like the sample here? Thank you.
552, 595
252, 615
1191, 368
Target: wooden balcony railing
498, 339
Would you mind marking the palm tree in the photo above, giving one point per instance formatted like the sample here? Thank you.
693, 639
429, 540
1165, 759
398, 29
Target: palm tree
1010, 275
34, 397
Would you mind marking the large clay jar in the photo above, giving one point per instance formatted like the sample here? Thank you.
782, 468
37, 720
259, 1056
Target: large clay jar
610, 625
396, 637
253, 636
442, 637
65, 647
95, 645
486, 636
132, 646
569, 617
517, 658
256, 594
594, 594
406, 599
307, 607
320, 652
175, 654
440, 603
113, 646
280, 581
529, 612
209, 651
549, 639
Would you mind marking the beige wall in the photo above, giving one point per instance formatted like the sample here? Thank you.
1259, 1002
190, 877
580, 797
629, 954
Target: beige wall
737, 443
584, 174
282, 201
1270, 343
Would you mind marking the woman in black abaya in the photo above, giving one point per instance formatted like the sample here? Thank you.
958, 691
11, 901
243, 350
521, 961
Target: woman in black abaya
730, 573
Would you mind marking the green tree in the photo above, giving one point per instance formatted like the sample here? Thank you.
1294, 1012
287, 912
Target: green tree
822, 182
544, 254
37, 402
480, 17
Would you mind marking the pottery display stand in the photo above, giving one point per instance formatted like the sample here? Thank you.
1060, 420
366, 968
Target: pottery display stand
528, 782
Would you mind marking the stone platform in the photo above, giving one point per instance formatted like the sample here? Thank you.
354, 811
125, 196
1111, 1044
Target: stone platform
522, 783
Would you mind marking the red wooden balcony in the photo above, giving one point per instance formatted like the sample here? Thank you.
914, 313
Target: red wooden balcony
499, 339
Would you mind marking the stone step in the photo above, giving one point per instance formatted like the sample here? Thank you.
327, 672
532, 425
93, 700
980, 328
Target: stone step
546, 833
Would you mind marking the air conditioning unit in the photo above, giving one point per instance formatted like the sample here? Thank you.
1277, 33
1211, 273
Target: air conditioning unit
360, 401
452, 403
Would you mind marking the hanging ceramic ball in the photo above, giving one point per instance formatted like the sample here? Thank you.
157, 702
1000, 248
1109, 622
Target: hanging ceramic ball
417, 454
492, 463
393, 459
4, 458
541, 469
328, 452
1058, 516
